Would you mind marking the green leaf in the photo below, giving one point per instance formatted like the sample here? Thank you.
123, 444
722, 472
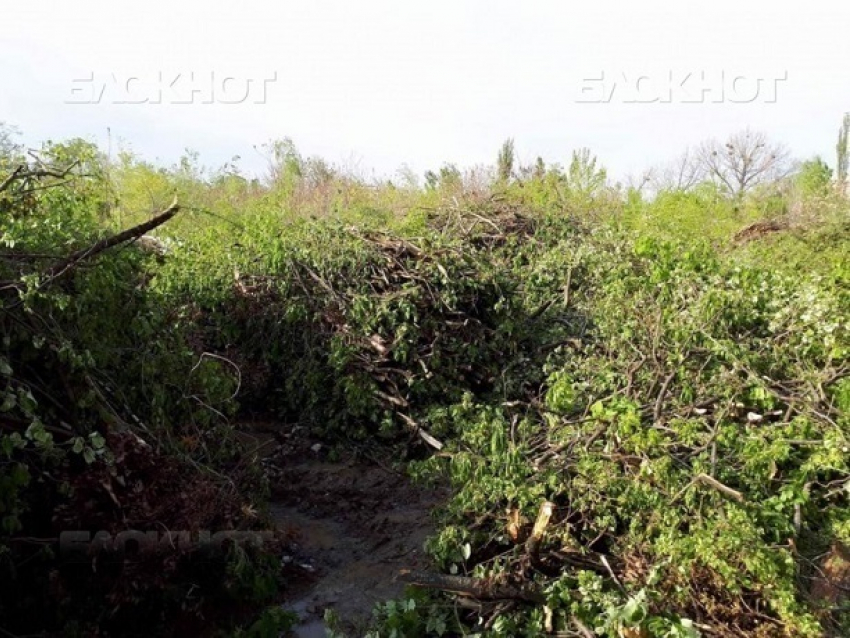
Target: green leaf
97, 440
9, 402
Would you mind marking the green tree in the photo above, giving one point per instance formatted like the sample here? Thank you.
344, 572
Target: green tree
505, 161
448, 177
584, 177
842, 150
285, 162
814, 177
539, 171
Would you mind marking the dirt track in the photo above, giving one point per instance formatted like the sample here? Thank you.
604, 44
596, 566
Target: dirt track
354, 524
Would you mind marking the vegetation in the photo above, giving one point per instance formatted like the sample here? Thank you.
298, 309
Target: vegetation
641, 401
842, 151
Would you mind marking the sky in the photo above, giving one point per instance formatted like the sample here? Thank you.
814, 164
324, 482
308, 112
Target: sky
375, 85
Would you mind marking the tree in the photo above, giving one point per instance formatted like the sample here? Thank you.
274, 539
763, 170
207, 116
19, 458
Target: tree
681, 174
746, 160
814, 178
505, 161
9, 149
449, 177
843, 151
539, 171
583, 175
317, 172
408, 177
285, 162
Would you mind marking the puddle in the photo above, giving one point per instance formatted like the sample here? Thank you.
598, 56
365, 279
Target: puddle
310, 628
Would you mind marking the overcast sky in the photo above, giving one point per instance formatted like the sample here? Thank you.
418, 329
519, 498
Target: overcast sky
379, 84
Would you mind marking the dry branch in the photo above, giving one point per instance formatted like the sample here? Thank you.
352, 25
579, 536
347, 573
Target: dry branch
712, 482
23, 172
659, 402
424, 435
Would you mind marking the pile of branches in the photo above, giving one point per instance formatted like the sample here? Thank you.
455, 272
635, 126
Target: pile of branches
412, 322
679, 418
82, 451
485, 224
448, 335
691, 446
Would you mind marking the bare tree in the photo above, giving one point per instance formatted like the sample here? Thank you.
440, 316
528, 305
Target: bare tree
746, 160
637, 182
681, 174
9, 148
408, 177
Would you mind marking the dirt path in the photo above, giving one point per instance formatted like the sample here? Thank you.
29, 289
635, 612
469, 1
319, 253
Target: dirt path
354, 523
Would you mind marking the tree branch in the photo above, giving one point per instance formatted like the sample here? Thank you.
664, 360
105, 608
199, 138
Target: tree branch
64, 266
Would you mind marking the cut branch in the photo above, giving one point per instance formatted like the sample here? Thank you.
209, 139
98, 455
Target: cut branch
22, 172
423, 434
705, 479
64, 266
532, 546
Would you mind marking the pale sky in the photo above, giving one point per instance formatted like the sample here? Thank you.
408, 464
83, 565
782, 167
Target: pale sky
382, 84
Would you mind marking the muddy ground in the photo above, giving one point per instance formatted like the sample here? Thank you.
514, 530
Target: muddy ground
354, 521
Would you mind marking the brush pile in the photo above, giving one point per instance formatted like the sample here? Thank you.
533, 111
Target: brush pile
103, 424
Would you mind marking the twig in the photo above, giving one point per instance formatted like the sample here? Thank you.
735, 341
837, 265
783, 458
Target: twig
611, 572
22, 172
714, 432
659, 402
219, 357
705, 479
583, 629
